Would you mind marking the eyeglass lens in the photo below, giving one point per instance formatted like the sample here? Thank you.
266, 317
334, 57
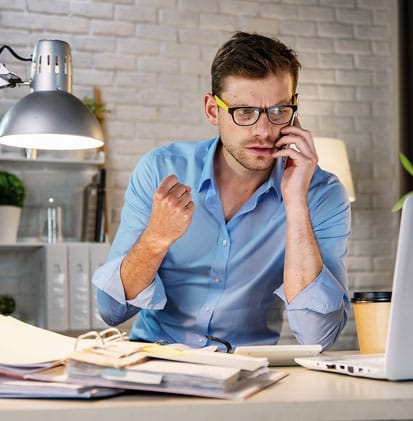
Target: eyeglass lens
247, 116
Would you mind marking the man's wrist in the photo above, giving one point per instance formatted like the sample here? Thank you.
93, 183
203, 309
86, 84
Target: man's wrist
296, 207
154, 243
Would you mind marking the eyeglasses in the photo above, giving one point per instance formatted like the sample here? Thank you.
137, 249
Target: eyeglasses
248, 116
227, 345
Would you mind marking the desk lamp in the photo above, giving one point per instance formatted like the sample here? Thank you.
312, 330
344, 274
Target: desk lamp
49, 117
333, 157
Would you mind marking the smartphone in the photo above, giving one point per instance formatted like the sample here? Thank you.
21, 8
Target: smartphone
291, 124
293, 118
292, 145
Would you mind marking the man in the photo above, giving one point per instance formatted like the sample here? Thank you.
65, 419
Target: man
217, 237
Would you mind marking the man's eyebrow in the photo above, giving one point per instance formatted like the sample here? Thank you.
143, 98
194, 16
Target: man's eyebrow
282, 102
276, 104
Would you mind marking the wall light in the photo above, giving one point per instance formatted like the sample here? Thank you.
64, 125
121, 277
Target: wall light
333, 157
49, 117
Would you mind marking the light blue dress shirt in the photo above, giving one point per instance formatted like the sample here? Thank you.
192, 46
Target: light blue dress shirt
225, 279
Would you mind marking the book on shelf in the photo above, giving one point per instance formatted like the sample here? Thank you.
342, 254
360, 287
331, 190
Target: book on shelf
105, 363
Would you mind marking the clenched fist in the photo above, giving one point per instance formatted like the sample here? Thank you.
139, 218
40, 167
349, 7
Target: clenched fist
172, 211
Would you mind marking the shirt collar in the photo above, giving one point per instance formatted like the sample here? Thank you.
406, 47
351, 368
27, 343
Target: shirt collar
207, 175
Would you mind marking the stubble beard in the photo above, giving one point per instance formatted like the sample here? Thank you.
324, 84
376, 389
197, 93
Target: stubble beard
257, 163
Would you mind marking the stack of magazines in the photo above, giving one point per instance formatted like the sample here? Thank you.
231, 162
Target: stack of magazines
107, 363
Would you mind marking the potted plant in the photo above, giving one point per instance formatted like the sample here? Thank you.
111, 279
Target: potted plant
12, 197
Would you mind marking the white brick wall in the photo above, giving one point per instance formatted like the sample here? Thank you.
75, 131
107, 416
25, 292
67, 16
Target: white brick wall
151, 61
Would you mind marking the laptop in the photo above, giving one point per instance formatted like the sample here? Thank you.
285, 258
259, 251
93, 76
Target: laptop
397, 362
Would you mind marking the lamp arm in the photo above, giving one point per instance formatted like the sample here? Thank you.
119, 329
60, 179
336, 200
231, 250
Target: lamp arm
7, 78
6, 47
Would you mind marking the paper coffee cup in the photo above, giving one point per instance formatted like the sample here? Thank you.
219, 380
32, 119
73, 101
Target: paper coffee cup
371, 314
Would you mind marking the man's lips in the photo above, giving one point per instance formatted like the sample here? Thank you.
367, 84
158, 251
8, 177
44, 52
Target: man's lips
263, 150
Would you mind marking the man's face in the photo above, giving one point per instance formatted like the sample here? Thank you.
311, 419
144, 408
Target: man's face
250, 147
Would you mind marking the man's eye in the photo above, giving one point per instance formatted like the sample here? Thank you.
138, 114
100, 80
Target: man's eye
276, 112
246, 112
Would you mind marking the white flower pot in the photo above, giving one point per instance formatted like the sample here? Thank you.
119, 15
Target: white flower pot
9, 223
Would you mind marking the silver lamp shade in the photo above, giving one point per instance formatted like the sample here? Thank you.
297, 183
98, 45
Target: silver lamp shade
50, 120
50, 117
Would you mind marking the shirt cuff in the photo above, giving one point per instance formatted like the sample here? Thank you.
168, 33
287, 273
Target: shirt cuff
107, 278
324, 295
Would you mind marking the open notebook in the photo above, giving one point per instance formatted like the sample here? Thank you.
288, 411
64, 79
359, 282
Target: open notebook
397, 362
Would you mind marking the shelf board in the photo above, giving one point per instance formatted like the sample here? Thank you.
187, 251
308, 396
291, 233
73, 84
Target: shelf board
21, 245
33, 244
50, 161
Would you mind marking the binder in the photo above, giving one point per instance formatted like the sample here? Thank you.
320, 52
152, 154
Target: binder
98, 253
66, 298
53, 294
79, 286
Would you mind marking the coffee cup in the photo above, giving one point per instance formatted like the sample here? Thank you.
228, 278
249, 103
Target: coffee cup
371, 314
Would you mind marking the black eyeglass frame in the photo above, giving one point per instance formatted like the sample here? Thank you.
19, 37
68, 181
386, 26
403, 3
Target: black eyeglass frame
231, 111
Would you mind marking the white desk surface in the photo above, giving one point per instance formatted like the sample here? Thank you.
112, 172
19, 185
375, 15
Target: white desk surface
303, 395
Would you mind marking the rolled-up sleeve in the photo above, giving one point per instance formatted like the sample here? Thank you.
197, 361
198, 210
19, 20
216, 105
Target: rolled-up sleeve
112, 304
319, 312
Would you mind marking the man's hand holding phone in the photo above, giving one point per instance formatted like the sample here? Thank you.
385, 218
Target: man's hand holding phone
296, 147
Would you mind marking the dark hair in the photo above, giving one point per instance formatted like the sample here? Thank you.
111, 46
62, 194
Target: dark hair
252, 56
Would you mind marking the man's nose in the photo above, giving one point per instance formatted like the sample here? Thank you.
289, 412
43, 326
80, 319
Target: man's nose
263, 125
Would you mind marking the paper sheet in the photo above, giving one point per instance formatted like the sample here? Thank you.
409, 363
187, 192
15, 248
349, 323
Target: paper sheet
25, 345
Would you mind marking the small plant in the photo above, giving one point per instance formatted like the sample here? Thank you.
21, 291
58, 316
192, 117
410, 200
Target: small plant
7, 305
96, 107
12, 190
408, 166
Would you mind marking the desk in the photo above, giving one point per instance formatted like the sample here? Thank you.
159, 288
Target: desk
303, 395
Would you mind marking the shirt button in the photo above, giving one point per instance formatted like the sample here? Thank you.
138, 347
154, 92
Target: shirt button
225, 243
216, 280
200, 340
207, 308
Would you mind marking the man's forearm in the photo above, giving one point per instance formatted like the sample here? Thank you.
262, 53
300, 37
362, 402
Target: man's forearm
140, 265
303, 261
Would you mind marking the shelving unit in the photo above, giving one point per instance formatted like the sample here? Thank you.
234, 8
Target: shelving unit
23, 265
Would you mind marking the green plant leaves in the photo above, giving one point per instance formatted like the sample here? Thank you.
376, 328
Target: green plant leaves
399, 204
7, 305
407, 165
12, 190
97, 108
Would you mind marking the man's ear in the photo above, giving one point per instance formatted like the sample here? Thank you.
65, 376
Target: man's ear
211, 109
